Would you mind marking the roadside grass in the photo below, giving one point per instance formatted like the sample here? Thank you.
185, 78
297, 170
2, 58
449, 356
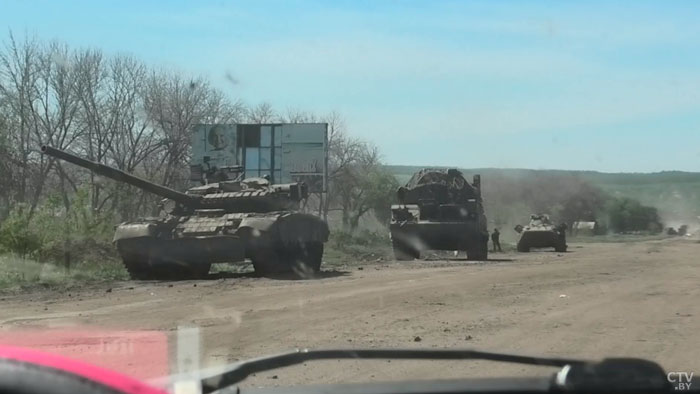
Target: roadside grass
226, 268
25, 274
362, 247
17, 273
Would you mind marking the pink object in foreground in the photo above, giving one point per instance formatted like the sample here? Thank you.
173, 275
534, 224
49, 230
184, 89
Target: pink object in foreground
102, 376
140, 354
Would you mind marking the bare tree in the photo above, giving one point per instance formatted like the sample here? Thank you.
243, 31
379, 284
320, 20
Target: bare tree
7, 169
298, 116
362, 185
174, 105
118, 111
342, 151
18, 75
55, 113
134, 139
262, 113
93, 90
37, 89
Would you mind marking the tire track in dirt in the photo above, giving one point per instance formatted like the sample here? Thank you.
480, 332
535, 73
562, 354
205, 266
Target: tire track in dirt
634, 299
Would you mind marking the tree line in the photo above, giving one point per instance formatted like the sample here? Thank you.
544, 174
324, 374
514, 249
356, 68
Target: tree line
567, 198
120, 111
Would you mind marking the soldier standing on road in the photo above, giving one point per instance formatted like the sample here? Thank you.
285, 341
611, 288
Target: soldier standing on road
495, 238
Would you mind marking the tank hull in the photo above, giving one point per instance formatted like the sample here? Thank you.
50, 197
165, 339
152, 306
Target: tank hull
423, 235
541, 239
154, 258
275, 243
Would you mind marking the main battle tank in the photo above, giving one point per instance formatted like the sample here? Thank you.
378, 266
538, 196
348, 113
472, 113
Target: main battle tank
541, 233
439, 210
226, 221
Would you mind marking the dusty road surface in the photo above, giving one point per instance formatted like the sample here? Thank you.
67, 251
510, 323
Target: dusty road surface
639, 299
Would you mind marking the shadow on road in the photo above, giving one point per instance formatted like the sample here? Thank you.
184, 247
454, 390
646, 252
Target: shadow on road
459, 259
309, 276
287, 276
547, 251
230, 275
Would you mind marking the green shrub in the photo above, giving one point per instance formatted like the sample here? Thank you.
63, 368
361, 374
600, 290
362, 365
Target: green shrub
362, 245
18, 272
53, 231
16, 234
629, 215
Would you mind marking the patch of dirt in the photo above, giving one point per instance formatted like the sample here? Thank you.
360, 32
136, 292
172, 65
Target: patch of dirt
603, 299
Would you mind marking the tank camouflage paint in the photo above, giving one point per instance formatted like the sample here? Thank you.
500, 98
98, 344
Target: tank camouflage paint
439, 210
220, 222
541, 233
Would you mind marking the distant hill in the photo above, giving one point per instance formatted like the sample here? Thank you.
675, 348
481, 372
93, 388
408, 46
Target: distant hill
675, 193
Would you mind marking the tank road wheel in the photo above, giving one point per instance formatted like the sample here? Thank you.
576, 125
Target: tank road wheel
161, 270
266, 262
137, 270
560, 247
302, 260
307, 258
479, 252
200, 271
180, 270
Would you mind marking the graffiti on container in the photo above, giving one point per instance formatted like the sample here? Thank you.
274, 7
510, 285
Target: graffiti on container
312, 166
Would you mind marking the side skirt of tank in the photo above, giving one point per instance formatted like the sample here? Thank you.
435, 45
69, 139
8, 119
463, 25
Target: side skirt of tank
148, 257
217, 249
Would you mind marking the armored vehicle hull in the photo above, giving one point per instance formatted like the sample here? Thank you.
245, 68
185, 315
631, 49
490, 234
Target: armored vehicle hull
541, 233
410, 239
439, 210
275, 242
216, 223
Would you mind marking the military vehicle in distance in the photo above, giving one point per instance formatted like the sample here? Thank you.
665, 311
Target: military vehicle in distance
439, 210
219, 222
541, 233
682, 230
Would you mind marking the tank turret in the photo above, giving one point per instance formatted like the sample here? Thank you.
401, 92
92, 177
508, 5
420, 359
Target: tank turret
248, 195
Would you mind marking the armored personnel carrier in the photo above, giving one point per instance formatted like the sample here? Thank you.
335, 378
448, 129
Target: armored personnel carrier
541, 233
439, 210
225, 221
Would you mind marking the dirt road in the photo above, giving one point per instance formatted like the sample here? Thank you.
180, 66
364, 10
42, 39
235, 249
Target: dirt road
619, 299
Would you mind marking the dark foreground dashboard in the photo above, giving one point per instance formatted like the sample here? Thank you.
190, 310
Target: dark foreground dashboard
28, 372
485, 385
515, 385
613, 375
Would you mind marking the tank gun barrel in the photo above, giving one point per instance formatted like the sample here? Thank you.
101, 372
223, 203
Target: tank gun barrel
296, 191
121, 176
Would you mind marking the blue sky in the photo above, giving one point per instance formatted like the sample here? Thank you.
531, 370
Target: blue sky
609, 86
